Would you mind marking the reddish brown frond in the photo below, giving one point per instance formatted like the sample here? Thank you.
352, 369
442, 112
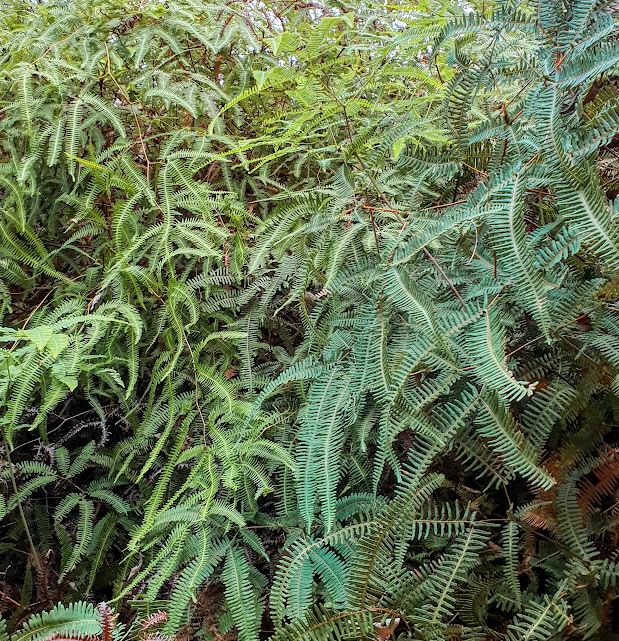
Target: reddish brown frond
153, 619
107, 619
72, 637
602, 482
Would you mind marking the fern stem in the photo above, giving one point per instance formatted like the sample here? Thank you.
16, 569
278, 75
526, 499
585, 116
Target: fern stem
135, 116
35, 555
195, 374
444, 275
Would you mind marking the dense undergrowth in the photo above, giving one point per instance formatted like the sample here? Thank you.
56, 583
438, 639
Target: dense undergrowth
310, 320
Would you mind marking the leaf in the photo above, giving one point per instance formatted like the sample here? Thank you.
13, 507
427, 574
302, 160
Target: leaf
239, 595
67, 379
330, 410
75, 619
56, 344
40, 336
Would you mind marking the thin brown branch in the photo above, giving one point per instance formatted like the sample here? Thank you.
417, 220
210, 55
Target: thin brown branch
444, 275
133, 111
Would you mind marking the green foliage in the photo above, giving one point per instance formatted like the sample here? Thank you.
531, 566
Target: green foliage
77, 620
309, 320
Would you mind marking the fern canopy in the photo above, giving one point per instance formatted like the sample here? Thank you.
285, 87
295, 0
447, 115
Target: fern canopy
309, 320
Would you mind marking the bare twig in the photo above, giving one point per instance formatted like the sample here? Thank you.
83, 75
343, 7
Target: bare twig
133, 111
444, 275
